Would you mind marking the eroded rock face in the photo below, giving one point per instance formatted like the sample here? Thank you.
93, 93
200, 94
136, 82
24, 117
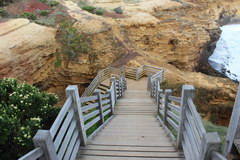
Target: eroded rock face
26, 50
176, 36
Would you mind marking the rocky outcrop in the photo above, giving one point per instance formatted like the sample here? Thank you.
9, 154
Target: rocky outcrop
26, 50
178, 36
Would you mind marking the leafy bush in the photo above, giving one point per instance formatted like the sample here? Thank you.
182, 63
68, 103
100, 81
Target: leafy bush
221, 130
90, 9
43, 1
118, 10
28, 15
23, 110
5, 2
99, 11
3, 13
53, 3
58, 61
44, 12
73, 42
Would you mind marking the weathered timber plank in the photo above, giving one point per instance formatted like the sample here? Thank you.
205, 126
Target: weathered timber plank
129, 148
89, 157
132, 154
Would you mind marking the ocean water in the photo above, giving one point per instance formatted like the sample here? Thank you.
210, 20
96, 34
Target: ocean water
226, 56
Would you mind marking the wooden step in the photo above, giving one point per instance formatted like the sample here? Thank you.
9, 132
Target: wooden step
129, 154
94, 157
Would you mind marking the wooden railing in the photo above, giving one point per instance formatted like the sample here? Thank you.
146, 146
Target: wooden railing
232, 142
77, 117
144, 70
101, 76
183, 124
81, 114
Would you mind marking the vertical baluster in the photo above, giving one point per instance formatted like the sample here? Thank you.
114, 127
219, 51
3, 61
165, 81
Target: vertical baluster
111, 101
168, 92
113, 80
98, 94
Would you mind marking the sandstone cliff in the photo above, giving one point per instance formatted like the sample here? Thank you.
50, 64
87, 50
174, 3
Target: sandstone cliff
176, 35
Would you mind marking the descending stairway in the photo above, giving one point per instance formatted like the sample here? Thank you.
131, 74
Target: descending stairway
134, 133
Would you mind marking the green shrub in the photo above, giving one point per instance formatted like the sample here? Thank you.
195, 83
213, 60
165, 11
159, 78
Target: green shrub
73, 42
90, 9
43, 1
44, 12
99, 11
118, 10
5, 2
53, 3
3, 13
23, 110
221, 130
28, 15
58, 61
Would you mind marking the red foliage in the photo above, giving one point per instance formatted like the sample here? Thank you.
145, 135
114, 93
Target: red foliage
27, 6
34, 5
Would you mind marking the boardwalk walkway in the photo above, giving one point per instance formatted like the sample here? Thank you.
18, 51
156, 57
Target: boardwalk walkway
134, 133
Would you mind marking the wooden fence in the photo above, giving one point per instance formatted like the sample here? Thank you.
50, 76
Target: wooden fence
101, 76
128, 72
144, 70
77, 117
180, 119
232, 142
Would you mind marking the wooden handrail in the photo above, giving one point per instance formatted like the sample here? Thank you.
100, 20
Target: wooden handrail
180, 119
79, 114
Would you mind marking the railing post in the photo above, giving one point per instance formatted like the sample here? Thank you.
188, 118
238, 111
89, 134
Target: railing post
168, 92
44, 139
234, 126
148, 82
119, 89
111, 101
187, 92
98, 94
122, 87
158, 100
210, 142
72, 90
113, 80
125, 84
136, 74
156, 90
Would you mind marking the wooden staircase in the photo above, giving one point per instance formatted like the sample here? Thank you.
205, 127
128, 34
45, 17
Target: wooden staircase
134, 132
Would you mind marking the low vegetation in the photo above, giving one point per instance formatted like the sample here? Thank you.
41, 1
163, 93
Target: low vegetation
118, 10
44, 12
93, 10
3, 13
53, 3
221, 130
23, 110
99, 11
28, 15
5, 2
90, 9
73, 42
